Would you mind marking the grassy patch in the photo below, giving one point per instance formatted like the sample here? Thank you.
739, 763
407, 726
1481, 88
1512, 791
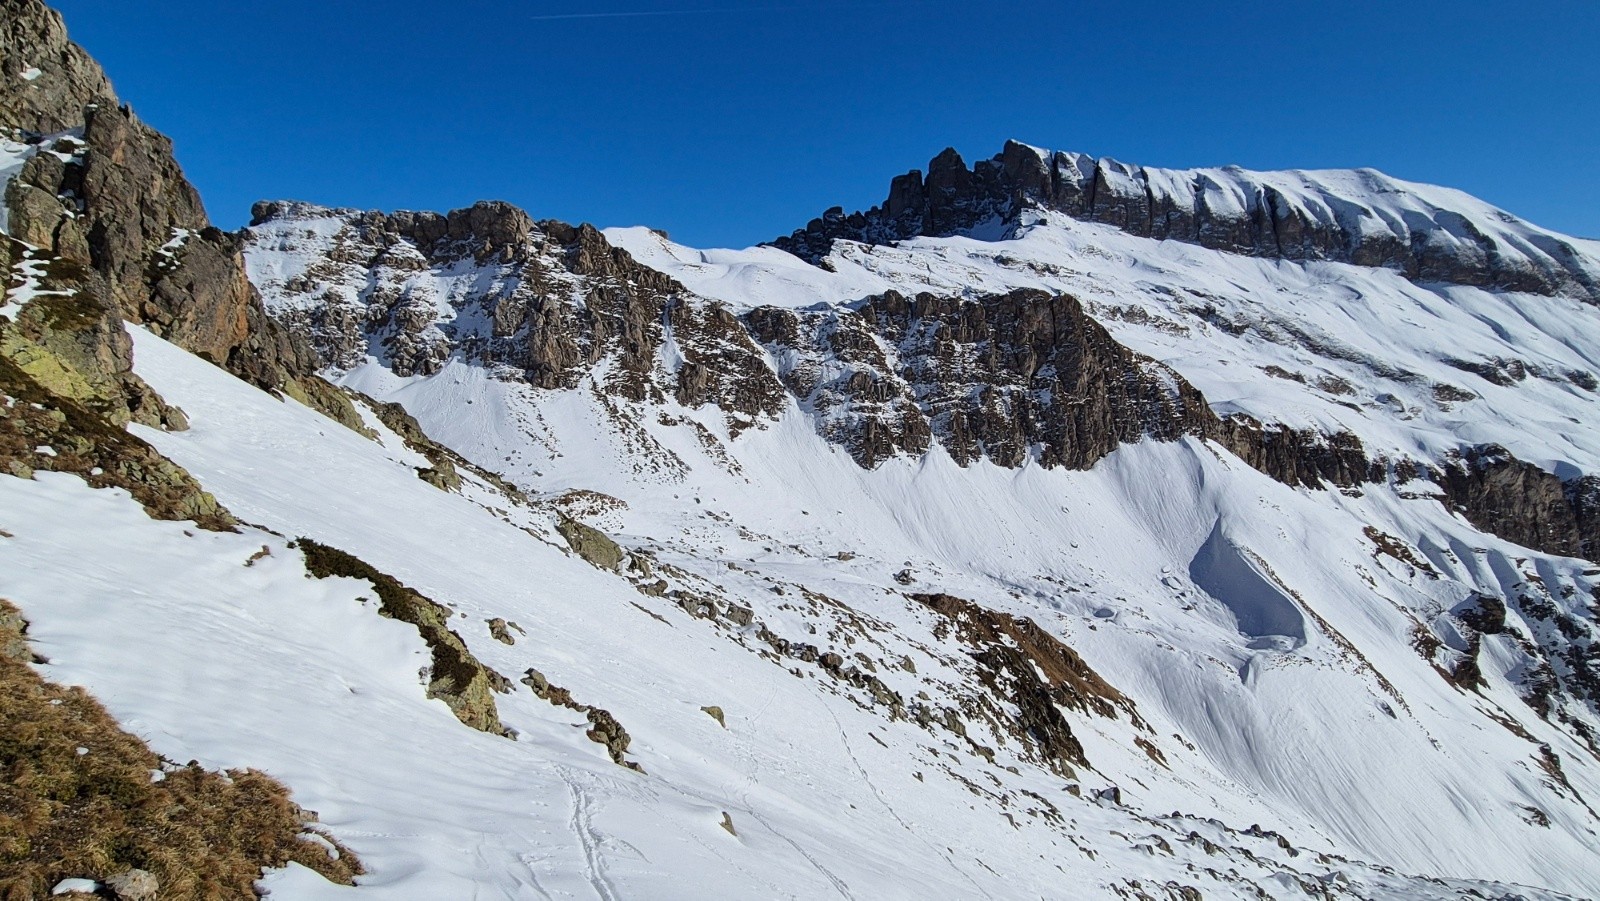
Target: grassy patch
77, 800
84, 442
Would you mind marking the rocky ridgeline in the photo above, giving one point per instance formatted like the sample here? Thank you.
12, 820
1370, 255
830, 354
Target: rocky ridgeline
1357, 216
541, 301
1006, 378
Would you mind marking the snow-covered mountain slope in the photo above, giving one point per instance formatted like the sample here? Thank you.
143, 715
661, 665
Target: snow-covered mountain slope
1235, 544
1416, 371
1257, 558
826, 790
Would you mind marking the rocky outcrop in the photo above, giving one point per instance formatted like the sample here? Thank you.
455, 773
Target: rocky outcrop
43, 431
1300, 457
604, 729
1359, 216
1030, 672
539, 301
456, 676
109, 196
590, 543
1001, 378
1520, 502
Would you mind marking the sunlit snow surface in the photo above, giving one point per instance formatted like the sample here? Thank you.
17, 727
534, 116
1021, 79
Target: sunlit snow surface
259, 666
1224, 604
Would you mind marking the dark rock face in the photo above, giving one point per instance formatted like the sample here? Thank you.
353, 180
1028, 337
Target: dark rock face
1583, 495
1027, 669
999, 378
1520, 502
1299, 456
1275, 215
33, 37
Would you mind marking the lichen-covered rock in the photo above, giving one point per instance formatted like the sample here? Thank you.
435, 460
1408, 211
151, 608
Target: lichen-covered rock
328, 400
83, 442
456, 676
590, 543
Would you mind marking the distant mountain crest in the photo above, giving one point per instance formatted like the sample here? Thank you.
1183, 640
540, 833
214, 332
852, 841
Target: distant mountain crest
1357, 216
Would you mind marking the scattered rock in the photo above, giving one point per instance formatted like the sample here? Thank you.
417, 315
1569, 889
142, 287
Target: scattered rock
134, 885
499, 631
716, 713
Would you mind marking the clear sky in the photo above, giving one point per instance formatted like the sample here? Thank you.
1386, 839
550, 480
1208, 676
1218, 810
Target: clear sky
728, 122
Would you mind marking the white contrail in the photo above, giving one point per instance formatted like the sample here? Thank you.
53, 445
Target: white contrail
659, 12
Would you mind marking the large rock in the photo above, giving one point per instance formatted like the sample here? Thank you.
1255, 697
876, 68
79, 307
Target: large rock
138, 225
590, 543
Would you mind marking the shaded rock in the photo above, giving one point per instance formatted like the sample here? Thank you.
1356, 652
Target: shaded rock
499, 632
1518, 501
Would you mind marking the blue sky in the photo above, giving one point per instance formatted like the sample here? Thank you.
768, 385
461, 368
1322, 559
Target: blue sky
729, 122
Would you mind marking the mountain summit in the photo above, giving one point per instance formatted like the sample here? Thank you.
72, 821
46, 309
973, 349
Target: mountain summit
1357, 216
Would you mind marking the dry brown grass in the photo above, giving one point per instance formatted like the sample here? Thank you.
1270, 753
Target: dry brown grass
77, 800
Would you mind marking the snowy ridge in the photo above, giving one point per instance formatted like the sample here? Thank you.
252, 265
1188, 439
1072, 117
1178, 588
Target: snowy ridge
1415, 371
1359, 216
